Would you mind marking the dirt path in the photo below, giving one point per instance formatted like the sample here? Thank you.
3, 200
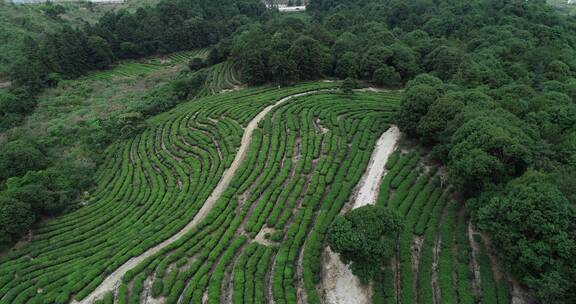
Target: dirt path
261, 236
476, 283
370, 182
435, 261
340, 285
114, 279
416, 250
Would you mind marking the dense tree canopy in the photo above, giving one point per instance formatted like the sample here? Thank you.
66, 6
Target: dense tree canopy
13, 107
415, 104
18, 157
364, 237
488, 149
498, 101
167, 27
534, 225
15, 217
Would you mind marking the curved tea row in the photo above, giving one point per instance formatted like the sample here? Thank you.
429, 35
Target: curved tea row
302, 165
149, 188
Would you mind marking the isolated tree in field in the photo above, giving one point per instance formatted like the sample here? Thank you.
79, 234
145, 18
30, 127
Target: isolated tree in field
188, 87
364, 238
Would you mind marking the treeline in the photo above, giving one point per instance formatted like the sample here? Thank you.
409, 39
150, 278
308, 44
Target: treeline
169, 27
495, 99
289, 49
516, 169
36, 179
483, 42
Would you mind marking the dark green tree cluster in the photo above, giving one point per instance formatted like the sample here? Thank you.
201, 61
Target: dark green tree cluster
489, 138
482, 42
64, 54
287, 49
20, 156
497, 107
54, 11
14, 106
531, 220
32, 187
167, 27
365, 238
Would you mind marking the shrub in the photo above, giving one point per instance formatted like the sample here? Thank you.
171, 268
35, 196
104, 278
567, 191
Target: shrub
157, 287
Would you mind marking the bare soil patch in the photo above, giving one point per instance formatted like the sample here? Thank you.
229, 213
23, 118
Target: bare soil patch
261, 236
340, 285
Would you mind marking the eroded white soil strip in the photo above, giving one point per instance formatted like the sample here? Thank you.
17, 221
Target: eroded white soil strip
114, 279
340, 285
370, 182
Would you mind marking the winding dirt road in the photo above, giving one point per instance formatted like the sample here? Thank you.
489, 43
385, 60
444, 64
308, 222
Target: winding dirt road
340, 285
114, 279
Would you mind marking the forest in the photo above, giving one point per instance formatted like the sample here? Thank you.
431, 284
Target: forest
488, 89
